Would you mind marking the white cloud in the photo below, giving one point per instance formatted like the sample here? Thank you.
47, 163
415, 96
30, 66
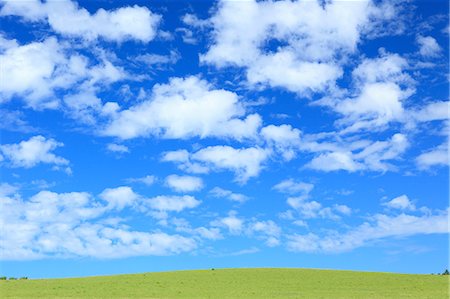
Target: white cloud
171, 203
181, 225
268, 230
194, 21
401, 202
219, 192
428, 46
303, 206
66, 18
281, 44
387, 68
360, 155
438, 110
437, 156
185, 108
234, 224
343, 209
292, 187
380, 86
30, 68
308, 209
284, 138
379, 228
284, 70
208, 233
33, 151
68, 225
245, 162
117, 148
38, 69
334, 161
187, 36
182, 158
146, 180
374, 107
184, 183
244, 251
313, 209
158, 60
7, 189
119, 198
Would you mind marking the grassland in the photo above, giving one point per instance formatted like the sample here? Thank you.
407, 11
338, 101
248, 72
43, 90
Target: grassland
235, 283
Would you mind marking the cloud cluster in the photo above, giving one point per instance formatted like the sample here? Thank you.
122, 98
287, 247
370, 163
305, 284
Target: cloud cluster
282, 44
66, 18
38, 69
358, 155
379, 227
51, 224
184, 183
244, 162
223, 193
185, 108
304, 208
29, 153
266, 230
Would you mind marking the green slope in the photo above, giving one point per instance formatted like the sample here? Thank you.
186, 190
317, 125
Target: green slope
235, 283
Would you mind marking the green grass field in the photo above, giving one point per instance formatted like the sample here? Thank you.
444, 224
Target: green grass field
235, 283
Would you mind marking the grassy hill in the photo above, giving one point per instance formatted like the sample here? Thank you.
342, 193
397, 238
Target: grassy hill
235, 283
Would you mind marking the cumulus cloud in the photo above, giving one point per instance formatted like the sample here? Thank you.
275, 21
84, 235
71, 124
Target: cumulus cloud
212, 233
437, 156
428, 46
281, 44
146, 180
379, 228
245, 162
291, 186
313, 209
171, 203
7, 189
234, 224
117, 148
266, 230
305, 208
283, 138
51, 224
184, 108
38, 69
377, 105
387, 67
68, 19
30, 68
438, 110
157, 60
335, 161
33, 151
223, 193
401, 202
284, 70
360, 155
119, 198
184, 183
381, 86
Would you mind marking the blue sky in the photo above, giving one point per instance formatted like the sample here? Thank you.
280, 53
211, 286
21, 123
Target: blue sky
156, 136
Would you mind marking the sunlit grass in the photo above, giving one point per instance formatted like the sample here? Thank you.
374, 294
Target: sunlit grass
235, 283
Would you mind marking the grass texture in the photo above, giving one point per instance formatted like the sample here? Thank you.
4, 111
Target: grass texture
235, 283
